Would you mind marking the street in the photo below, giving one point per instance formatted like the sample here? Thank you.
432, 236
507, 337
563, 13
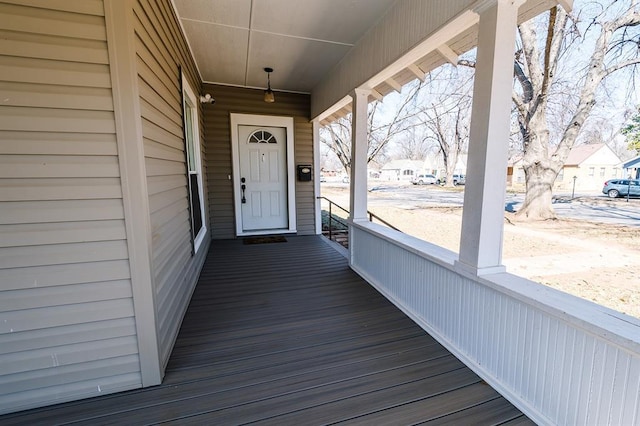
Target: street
591, 207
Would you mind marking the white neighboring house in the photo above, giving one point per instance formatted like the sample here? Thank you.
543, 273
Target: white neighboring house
400, 170
434, 164
405, 169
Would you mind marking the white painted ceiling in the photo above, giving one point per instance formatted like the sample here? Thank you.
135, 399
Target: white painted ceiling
234, 40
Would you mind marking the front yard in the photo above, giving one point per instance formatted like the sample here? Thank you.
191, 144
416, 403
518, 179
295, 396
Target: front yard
598, 262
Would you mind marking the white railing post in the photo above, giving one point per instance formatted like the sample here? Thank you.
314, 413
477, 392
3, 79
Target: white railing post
316, 175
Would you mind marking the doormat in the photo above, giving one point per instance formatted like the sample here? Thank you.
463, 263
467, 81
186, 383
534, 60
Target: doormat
265, 240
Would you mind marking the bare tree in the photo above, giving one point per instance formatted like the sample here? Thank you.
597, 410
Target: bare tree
337, 137
384, 126
446, 114
415, 144
537, 69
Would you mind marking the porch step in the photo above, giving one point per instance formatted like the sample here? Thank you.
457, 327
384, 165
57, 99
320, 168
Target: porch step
339, 236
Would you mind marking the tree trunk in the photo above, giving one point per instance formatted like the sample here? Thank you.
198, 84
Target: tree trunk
539, 170
450, 167
538, 198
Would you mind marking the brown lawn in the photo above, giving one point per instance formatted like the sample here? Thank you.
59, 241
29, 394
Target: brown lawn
598, 262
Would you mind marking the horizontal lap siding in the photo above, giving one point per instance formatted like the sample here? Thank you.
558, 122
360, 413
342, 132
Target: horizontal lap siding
218, 142
67, 326
160, 51
305, 196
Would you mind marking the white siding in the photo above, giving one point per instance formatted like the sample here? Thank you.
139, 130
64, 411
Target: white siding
67, 326
161, 50
560, 359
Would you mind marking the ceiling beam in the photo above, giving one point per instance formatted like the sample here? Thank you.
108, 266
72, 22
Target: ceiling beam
459, 24
567, 5
417, 71
379, 96
396, 86
448, 54
336, 107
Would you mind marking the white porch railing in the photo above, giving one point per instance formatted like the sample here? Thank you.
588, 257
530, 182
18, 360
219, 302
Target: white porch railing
560, 359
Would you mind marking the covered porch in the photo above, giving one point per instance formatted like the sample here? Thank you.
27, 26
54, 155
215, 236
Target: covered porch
286, 333
113, 196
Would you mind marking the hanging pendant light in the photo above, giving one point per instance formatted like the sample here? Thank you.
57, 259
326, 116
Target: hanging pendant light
268, 94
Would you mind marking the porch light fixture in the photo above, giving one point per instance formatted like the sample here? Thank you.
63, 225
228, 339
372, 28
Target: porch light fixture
268, 94
207, 99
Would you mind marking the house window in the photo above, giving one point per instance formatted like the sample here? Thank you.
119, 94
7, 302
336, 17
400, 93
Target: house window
560, 177
407, 172
194, 164
602, 171
262, 136
592, 171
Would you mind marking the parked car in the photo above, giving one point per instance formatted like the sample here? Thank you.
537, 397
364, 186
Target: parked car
457, 180
424, 180
621, 187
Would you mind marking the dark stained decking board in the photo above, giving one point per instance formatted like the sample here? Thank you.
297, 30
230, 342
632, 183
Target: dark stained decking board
286, 334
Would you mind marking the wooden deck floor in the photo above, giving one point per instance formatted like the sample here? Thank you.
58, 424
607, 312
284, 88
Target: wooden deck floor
286, 334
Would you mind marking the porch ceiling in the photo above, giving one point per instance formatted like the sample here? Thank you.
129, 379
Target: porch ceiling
303, 40
234, 40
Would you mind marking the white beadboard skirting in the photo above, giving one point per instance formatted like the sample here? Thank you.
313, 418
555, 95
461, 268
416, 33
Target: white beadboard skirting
558, 358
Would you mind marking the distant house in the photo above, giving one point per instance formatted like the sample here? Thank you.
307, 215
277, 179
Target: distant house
434, 164
400, 169
590, 165
632, 167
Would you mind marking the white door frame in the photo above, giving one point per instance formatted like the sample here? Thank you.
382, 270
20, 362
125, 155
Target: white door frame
267, 121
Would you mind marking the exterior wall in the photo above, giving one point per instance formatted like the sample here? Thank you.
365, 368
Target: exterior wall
67, 326
70, 322
218, 144
160, 51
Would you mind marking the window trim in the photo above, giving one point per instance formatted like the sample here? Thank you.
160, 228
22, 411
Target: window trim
189, 100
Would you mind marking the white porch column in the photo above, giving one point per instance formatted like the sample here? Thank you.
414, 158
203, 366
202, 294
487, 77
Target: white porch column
483, 213
359, 146
316, 174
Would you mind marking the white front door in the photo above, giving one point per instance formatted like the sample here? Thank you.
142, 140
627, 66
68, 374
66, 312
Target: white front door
263, 178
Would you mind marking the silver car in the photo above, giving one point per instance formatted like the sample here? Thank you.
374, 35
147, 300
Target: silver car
457, 180
621, 187
423, 179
